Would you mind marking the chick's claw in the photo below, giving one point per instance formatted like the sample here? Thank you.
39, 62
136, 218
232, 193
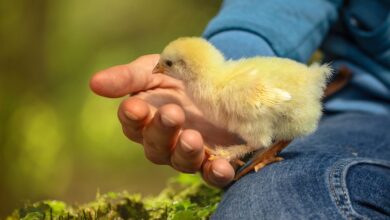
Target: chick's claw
264, 163
213, 157
209, 151
238, 162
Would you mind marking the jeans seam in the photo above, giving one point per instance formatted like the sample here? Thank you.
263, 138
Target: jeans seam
338, 184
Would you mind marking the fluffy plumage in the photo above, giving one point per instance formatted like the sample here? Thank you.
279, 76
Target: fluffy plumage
263, 99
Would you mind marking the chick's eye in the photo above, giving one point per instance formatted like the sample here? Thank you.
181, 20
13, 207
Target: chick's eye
168, 63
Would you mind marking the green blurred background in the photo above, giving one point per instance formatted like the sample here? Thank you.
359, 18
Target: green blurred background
57, 139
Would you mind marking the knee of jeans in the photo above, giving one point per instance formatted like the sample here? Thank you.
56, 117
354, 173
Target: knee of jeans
360, 188
369, 189
294, 189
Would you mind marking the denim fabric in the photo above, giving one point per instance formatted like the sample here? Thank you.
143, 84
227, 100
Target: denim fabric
364, 92
342, 171
360, 40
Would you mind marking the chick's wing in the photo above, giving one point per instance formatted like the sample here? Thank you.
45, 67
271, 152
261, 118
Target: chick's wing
253, 89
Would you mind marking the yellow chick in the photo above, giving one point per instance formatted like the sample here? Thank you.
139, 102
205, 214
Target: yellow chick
265, 100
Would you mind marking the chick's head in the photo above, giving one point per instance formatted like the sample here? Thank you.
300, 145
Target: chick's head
189, 59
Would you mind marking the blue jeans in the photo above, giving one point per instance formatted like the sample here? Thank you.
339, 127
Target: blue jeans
342, 171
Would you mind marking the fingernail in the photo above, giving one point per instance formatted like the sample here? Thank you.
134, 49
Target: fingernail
218, 174
167, 121
186, 147
131, 116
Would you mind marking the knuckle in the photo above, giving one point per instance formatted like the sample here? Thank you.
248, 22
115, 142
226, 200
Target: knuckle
132, 132
132, 135
126, 104
174, 111
151, 146
185, 168
155, 158
153, 153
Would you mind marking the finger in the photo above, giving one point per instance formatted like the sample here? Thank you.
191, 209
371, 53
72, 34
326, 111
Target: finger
136, 76
189, 152
161, 133
134, 114
120, 80
218, 172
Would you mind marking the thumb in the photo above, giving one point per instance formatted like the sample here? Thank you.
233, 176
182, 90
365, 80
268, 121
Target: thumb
121, 80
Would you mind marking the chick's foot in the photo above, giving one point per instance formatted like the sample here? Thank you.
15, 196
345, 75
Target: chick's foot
231, 153
265, 162
263, 159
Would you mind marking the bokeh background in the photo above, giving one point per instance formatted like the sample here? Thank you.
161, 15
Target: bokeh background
57, 139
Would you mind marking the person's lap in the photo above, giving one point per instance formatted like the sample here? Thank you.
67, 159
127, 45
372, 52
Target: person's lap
340, 171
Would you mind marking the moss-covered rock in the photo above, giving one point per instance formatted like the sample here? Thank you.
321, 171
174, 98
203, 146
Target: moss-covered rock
186, 197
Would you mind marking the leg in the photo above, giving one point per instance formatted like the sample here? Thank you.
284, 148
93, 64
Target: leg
263, 158
342, 171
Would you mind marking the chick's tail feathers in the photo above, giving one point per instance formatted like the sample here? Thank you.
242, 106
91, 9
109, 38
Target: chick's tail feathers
322, 73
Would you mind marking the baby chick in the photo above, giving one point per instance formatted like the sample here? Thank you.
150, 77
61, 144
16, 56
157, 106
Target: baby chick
268, 101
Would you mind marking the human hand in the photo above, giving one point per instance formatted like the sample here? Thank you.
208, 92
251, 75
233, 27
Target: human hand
159, 115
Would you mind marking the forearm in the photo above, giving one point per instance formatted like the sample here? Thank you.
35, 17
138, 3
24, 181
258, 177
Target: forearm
236, 44
292, 29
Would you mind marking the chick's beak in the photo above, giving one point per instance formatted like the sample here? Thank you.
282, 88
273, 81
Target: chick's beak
158, 69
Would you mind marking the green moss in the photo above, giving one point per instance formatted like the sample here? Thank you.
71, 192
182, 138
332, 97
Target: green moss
185, 197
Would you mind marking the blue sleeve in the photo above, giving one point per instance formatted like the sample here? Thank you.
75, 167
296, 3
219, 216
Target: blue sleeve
236, 44
292, 29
